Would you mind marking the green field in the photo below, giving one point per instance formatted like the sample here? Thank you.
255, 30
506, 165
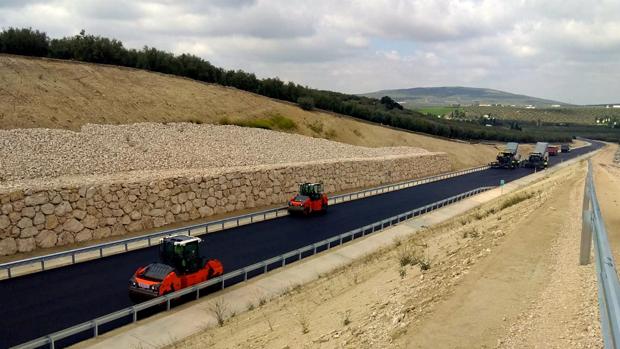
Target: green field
571, 115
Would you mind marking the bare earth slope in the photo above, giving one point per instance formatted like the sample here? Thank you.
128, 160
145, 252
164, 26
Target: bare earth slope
42, 93
607, 182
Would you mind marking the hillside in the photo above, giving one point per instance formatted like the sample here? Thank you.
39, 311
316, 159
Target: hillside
47, 93
574, 115
442, 96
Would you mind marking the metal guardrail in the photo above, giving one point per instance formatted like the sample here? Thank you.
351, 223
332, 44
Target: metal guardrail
55, 260
608, 284
260, 267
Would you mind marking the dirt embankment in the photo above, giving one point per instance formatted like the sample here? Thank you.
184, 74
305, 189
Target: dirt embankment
40, 93
505, 275
607, 182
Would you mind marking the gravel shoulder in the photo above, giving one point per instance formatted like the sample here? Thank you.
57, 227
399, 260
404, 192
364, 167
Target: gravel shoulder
502, 275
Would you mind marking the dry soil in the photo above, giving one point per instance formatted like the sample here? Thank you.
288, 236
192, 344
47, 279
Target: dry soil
607, 183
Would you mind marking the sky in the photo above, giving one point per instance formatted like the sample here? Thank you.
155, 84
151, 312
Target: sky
567, 50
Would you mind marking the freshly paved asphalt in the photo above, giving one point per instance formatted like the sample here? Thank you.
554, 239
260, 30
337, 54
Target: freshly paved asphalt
39, 304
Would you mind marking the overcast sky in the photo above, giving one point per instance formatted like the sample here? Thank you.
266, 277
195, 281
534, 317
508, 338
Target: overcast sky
567, 50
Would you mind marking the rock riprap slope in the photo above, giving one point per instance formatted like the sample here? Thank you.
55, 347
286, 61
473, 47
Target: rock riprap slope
107, 149
62, 187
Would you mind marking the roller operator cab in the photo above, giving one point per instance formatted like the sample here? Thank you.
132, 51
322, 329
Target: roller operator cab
180, 266
310, 198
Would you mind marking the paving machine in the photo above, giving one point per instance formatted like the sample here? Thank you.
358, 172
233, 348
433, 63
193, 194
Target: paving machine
508, 157
539, 158
181, 266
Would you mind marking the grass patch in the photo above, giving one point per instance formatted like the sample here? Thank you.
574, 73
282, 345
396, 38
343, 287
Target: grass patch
316, 127
437, 110
331, 134
515, 199
425, 263
471, 233
406, 256
219, 309
274, 122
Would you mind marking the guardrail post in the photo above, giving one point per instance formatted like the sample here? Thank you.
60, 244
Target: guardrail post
586, 228
95, 329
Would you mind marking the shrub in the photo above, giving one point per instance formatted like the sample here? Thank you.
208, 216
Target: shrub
276, 122
219, 310
316, 127
24, 41
306, 102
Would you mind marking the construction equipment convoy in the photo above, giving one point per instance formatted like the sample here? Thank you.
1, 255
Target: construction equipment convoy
181, 266
539, 158
508, 157
310, 198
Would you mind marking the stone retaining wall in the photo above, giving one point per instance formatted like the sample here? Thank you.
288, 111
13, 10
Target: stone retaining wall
41, 218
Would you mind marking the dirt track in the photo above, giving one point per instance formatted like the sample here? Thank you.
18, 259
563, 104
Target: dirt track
499, 277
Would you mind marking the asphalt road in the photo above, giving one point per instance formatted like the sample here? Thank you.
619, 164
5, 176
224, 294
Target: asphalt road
39, 304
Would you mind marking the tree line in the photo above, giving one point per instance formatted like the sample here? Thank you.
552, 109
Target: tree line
96, 49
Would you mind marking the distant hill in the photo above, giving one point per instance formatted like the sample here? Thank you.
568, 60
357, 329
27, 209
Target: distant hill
442, 96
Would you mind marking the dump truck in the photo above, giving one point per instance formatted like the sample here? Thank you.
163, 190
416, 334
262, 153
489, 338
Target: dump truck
539, 158
553, 150
508, 157
180, 266
565, 148
310, 198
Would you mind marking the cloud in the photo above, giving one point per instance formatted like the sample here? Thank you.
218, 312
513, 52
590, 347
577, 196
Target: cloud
562, 49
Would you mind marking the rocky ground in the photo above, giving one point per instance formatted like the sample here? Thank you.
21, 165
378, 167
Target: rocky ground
505, 275
107, 149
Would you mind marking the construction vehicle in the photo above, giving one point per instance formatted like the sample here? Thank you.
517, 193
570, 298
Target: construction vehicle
565, 148
553, 150
508, 157
181, 266
539, 158
310, 198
